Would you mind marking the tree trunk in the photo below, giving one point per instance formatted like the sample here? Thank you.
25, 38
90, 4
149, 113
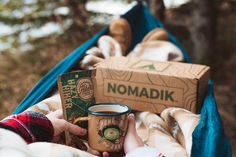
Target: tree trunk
203, 28
78, 12
157, 8
80, 19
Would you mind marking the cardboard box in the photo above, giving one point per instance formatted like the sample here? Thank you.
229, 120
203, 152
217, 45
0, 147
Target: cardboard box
147, 85
144, 85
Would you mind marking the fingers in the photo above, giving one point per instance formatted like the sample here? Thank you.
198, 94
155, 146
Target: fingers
58, 113
105, 154
94, 152
74, 129
97, 153
131, 127
131, 118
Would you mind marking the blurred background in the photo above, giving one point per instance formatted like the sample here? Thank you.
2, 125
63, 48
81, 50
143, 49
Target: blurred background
36, 34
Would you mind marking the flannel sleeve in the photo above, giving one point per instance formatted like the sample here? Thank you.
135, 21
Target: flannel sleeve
31, 126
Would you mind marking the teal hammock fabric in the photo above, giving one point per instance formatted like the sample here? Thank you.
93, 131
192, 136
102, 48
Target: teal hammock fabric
208, 137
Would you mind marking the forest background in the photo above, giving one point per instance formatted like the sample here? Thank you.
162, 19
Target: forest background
36, 34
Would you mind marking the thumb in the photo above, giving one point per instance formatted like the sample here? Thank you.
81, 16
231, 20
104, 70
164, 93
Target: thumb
74, 129
132, 140
131, 127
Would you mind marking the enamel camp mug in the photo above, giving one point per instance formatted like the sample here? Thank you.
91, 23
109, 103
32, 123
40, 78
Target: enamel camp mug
107, 126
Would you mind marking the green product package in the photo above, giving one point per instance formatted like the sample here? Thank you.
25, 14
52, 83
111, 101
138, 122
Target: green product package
77, 94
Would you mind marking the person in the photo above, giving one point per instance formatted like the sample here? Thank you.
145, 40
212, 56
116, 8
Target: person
36, 127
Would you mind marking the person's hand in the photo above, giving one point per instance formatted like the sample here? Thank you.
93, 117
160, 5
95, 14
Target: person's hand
132, 140
60, 125
97, 153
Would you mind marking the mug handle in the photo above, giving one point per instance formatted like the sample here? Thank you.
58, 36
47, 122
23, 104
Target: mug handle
80, 119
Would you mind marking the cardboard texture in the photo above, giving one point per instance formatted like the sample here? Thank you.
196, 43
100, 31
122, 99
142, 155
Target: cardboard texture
147, 85
144, 85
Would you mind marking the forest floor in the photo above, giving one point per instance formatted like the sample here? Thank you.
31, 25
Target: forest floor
20, 72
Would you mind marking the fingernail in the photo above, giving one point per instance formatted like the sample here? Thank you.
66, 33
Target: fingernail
131, 116
84, 131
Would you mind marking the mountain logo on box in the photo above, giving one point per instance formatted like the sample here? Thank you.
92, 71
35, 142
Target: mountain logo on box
142, 92
85, 88
148, 67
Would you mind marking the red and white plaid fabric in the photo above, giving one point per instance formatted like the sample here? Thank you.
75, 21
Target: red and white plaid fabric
31, 126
